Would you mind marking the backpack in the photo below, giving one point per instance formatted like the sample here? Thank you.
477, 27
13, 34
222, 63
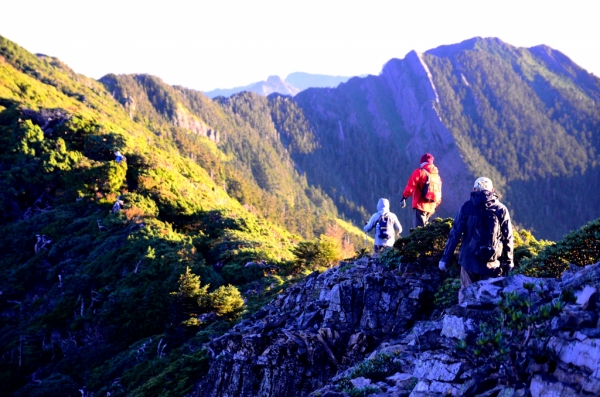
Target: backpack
432, 188
384, 222
485, 242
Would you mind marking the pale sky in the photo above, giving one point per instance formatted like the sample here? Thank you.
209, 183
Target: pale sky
204, 44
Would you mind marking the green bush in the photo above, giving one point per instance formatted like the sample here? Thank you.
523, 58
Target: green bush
522, 320
447, 293
56, 384
190, 292
390, 258
425, 244
227, 301
380, 367
238, 274
362, 392
526, 246
318, 253
580, 248
377, 369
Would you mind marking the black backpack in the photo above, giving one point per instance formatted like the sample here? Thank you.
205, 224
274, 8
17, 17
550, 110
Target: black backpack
485, 242
384, 222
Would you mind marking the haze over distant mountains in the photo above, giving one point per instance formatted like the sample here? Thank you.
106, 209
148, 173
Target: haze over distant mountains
293, 84
114, 275
528, 118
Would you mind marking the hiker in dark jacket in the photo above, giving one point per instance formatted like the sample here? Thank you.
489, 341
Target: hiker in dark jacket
484, 225
393, 224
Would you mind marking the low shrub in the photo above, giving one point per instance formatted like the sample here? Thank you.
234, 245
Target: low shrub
318, 253
580, 248
447, 294
425, 244
520, 328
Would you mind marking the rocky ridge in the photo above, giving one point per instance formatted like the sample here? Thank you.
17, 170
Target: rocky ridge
368, 329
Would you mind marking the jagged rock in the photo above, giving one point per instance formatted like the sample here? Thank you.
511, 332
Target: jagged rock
426, 388
578, 350
545, 388
386, 348
314, 330
456, 327
400, 380
311, 337
47, 119
424, 334
576, 277
506, 392
587, 298
576, 379
488, 292
439, 367
360, 382
574, 317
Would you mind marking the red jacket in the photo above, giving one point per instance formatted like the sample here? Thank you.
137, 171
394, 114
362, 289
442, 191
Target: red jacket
414, 188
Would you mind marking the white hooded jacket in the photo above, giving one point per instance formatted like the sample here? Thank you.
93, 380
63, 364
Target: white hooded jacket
383, 207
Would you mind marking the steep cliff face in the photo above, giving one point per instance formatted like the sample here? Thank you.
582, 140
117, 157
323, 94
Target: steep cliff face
417, 104
182, 118
373, 131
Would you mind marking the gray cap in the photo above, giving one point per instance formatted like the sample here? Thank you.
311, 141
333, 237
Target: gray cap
483, 183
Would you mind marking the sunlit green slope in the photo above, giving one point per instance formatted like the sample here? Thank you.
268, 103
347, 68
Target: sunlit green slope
92, 249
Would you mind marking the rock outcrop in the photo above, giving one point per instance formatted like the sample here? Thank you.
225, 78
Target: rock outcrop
319, 327
333, 333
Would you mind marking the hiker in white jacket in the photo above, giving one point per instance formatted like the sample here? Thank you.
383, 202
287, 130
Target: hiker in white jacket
386, 224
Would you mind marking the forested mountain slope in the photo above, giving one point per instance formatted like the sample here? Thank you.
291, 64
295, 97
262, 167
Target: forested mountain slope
527, 118
115, 274
106, 261
255, 167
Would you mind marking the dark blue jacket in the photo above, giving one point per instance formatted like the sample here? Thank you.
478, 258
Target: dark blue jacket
465, 229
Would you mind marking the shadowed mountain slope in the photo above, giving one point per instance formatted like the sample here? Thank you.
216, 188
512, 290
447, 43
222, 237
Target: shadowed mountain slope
527, 118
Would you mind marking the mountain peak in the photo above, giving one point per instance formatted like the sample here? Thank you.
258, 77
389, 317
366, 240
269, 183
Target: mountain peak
293, 84
474, 43
274, 80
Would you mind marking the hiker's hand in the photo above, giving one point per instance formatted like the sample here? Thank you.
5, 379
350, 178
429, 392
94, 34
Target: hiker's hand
443, 266
403, 202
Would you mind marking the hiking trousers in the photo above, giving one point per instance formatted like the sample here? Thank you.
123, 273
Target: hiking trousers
421, 218
467, 278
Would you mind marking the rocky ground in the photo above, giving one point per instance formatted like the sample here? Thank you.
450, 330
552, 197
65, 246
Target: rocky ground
363, 329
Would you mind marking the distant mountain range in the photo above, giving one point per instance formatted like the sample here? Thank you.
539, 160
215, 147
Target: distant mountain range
528, 118
106, 263
293, 84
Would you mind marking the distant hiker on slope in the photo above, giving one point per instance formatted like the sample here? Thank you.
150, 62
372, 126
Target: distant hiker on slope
425, 187
385, 223
487, 246
119, 157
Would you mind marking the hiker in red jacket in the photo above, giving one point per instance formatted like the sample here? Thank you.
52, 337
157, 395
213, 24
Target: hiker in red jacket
425, 187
